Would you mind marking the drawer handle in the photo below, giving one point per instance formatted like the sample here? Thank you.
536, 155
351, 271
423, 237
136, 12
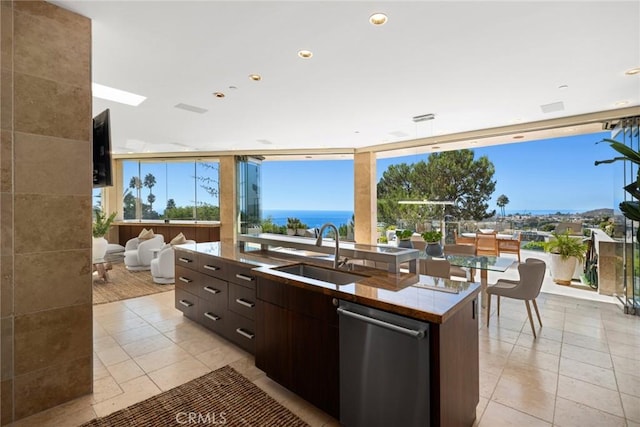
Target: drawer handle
185, 260
211, 316
184, 279
244, 333
186, 303
244, 277
245, 302
211, 290
211, 267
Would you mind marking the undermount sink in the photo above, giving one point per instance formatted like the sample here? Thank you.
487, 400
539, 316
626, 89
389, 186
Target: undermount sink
329, 275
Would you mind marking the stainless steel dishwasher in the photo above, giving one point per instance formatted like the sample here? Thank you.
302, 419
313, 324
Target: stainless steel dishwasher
384, 368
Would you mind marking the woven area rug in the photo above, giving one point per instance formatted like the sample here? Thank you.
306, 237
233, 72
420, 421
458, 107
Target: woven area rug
125, 284
222, 397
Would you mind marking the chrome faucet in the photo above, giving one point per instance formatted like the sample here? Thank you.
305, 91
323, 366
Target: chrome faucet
336, 259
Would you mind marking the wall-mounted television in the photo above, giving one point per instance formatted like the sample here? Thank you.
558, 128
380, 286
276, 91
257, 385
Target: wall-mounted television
102, 150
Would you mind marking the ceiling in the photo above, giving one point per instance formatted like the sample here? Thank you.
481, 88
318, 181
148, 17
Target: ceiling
475, 65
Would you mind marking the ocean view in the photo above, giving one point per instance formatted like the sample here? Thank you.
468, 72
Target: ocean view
311, 218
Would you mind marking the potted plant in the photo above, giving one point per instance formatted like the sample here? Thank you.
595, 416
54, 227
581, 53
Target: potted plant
301, 230
404, 238
292, 225
566, 251
434, 242
101, 224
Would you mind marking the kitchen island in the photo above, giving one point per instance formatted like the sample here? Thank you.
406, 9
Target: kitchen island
291, 322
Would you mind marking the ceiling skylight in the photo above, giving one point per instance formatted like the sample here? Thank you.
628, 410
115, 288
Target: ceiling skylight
116, 95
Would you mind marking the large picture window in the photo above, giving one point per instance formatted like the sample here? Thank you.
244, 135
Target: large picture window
169, 189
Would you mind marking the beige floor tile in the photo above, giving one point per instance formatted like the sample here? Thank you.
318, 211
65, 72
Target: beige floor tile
534, 359
161, 314
589, 373
591, 320
629, 384
492, 363
497, 415
147, 345
501, 334
197, 346
570, 414
623, 337
247, 367
584, 341
590, 395
506, 323
539, 344
631, 406
494, 346
160, 358
187, 331
112, 355
592, 357
482, 405
530, 400
135, 334
105, 388
134, 391
221, 356
623, 365
545, 332
113, 307
624, 350
98, 331
488, 382
178, 373
632, 424
104, 342
123, 325
125, 371
170, 324
116, 316
589, 331
540, 379
99, 370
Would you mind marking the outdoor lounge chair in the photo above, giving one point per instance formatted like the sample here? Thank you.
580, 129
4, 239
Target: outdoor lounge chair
511, 246
486, 244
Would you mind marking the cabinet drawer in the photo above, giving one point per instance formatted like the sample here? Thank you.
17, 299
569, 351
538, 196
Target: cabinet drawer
241, 331
214, 290
212, 316
242, 275
242, 301
187, 303
186, 259
188, 280
212, 266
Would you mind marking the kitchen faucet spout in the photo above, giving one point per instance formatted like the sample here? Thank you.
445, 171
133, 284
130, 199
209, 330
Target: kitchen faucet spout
336, 258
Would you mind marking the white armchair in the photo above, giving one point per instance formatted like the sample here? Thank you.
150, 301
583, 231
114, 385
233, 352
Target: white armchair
163, 267
138, 253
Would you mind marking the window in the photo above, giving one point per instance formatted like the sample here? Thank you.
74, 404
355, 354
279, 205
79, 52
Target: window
169, 189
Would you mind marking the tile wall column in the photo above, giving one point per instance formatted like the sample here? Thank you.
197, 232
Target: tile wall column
365, 196
228, 200
45, 207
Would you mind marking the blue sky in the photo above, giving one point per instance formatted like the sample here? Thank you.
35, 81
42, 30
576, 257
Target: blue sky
556, 174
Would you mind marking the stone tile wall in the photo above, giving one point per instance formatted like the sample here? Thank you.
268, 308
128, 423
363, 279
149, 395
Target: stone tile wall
45, 207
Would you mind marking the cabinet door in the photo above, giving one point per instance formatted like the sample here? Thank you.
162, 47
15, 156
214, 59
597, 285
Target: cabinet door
273, 342
315, 362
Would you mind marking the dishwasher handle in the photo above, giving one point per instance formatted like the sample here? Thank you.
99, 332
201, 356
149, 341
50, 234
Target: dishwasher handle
396, 328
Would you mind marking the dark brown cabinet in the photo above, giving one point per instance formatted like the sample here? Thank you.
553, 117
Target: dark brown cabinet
219, 294
297, 342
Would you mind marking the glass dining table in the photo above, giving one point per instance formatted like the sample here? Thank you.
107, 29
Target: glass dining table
484, 263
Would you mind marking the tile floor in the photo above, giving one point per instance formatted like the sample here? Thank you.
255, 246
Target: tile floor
583, 370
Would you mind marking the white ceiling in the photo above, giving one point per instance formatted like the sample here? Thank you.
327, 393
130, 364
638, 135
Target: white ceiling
475, 65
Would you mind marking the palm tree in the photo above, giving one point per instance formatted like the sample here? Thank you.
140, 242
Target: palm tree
502, 202
137, 185
149, 182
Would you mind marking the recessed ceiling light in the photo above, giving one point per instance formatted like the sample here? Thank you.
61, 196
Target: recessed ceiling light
116, 95
378, 19
435, 147
218, 94
621, 103
633, 71
562, 87
233, 87
356, 131
255, 77
305, 54
518, 137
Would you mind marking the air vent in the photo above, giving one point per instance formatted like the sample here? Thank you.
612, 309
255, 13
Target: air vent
553, 107
191, 108
424, 117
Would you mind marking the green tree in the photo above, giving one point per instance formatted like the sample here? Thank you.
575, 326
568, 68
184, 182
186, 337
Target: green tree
502, 202
448, 176
136, 184
150, 182
171, 204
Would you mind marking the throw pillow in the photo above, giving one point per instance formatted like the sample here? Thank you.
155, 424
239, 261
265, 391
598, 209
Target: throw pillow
178, 240
146, 234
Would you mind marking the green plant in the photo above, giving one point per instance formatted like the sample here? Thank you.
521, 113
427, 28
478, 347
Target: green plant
630, 209
404, 234
432, 236
566, 246
535, 246
102, 223
294, 223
